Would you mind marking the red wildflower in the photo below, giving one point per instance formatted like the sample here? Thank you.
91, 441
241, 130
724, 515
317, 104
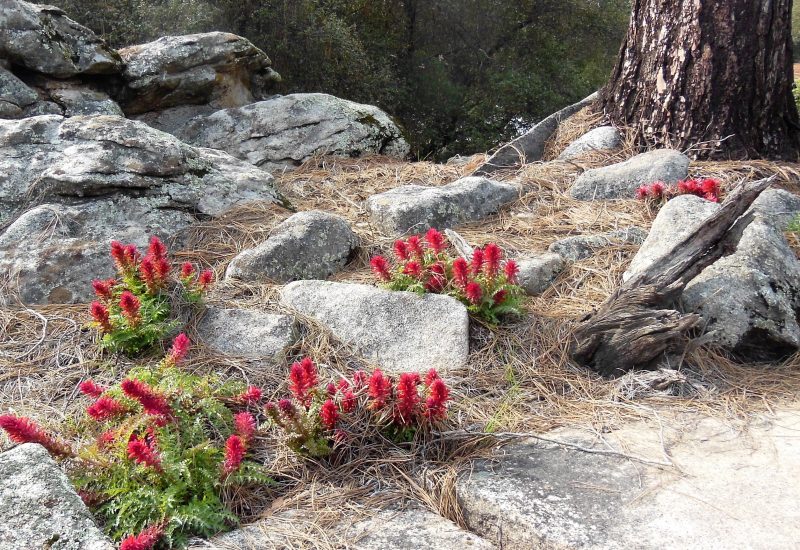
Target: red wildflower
286, 407
687, 187
461, 272
343, 384
641, 192
104, 289
381, 268
657, 189
21, 429
380, 389
101, 316
413, 269
88, 387
492, 255
251, 395
511, 269
437, 280
162, 268
156, 249
245, 425
400, 250
180, 347
205, 279
360, 379
105, 407
130, 256
187, 270
477, 261
499, 296
118, 255
147, 271
153, 403
348, 401
474, 292
435, 240
407, 398
302, 380
145, 540
130, 305
436, 404
431, 375
140, 452
234, 454
710, 185
331, 389
415, 246
711, 197
329, 414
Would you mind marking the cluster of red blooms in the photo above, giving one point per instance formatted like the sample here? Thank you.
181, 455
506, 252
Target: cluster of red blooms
21, 429
409, 403
482, 281
145, 540
708, 189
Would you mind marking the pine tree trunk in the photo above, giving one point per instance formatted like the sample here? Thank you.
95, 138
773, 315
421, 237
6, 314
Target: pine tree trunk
698, 71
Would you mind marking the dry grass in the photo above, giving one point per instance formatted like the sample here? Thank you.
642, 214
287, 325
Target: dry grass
518, 377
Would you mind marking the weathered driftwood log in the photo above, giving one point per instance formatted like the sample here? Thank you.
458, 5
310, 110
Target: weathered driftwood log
637, 324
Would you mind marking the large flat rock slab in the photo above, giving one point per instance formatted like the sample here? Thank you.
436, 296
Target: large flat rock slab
39, 507
397, 331
247, 333
416, 208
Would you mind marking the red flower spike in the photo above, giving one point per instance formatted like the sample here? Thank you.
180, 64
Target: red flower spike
145, 540
710, 185
245, 425
492, 255
187, 270
162, 269
436, 404
343, 385
381, 268
331, 389
251, 395
104, 289
511, 269
360, 379
435, 240
153, 403
156, 249
329, 414
657, 190
234, 454
401, 250
641, 192
118, 255
130, 305
205, 279
302, 380
142, 453
437, 280
105, 407
148, 273
88, 387
286, 407
21, 429
380, 389
348, 401
477, 261
474, 293
711, 197
413, 269
407, 398
180, 347
415, 246
500, 296
131, 256
460, 272
431, 375
101, 316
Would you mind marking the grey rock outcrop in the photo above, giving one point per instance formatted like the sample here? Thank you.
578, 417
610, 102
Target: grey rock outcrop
39, 507
598, 139
87, 180
397, 331
216, 68
15, 95
580, 247
537, 273
619, 181
308, 245
529, 147
43, 39
285, 131
415, 208
247, 333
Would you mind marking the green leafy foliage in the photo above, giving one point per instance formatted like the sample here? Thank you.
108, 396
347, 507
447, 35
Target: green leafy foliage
486, 284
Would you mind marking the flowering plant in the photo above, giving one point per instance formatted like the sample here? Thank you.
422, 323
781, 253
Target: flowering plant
707, 188
157, 450
485, 283
318, 417
132, 311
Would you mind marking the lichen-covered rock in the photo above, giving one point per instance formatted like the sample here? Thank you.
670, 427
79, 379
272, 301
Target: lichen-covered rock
247, 333
678, 218
537, 273
619, 181
397, 331
15, 95
308, 245
285, 131
414, 208
74, 97
102, 178
598, 139
39, 508
580, 247
215, 68
43, 39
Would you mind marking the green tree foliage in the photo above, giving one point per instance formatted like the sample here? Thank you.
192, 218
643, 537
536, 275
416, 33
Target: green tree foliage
459, 75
